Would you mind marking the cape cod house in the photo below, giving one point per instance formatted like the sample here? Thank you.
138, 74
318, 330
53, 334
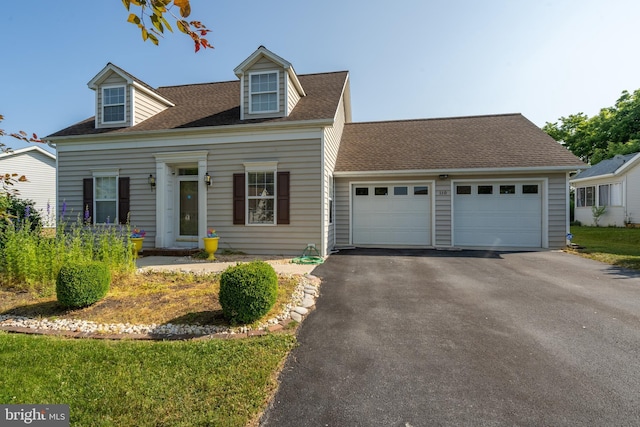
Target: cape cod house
274, 163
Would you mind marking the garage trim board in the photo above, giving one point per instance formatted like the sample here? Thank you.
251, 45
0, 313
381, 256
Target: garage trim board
392, 213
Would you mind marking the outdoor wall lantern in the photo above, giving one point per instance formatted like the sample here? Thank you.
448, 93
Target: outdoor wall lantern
207, 179
152, 182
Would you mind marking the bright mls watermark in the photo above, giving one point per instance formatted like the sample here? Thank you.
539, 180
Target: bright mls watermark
34, 415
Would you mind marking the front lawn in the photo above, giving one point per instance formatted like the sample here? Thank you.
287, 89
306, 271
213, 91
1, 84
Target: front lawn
615, 246
127, 383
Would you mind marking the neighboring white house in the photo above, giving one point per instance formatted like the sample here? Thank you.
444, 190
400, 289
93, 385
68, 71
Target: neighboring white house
614, 183
39, 167
273, 162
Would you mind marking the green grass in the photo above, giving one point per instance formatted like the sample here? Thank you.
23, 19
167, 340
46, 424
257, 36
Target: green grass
118, 383
615, 246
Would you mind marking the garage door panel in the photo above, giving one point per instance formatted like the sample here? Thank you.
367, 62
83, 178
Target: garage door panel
508, 220
391, 219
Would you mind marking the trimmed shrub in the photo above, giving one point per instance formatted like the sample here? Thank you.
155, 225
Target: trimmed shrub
248, 291
80, 285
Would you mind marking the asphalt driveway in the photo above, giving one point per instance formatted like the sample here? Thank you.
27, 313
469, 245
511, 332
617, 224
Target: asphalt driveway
423, 338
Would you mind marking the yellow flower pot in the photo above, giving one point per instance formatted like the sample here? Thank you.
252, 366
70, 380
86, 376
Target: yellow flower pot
137, 245
211, 246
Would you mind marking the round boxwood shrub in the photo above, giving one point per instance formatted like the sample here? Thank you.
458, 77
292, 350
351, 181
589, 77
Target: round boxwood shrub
248, 291
80, 285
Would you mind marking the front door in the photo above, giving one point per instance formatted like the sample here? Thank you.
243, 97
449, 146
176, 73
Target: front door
187, 205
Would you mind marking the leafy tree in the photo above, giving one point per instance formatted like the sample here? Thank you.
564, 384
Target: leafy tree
615, 130
156, 11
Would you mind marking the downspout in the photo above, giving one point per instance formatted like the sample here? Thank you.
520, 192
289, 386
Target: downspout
323, 237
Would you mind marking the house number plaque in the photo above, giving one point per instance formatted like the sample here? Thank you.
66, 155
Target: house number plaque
442, 192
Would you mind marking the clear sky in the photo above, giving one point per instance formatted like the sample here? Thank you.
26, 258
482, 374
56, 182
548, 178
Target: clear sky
407, 58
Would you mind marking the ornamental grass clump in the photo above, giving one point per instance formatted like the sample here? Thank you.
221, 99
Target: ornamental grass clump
82, 284
248, 291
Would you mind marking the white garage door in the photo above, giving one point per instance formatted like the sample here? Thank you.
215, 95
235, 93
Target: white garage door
391, 214
507, 214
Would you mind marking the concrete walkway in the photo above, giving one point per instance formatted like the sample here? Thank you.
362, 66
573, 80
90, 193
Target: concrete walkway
281, 265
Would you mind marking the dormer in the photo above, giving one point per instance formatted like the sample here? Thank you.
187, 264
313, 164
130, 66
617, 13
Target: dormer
269, 86
123, 100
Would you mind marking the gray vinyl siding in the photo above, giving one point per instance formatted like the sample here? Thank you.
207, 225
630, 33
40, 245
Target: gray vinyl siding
557, 199
301, 158
40, 171
332, 137
261, 65
443, 201
113, 80
342, 221
292, 95
145, 106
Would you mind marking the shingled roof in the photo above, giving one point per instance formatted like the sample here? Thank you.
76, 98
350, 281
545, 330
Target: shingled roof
479, 142
218, 104
607, 167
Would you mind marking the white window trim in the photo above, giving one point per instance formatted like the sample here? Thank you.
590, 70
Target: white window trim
595, 195
124, 120
277, 92
256, 167
105, 173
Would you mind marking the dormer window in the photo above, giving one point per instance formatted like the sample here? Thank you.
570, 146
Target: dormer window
263, 94
113, 104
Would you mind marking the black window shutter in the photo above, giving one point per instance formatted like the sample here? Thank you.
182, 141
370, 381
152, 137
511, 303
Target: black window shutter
283, 198
123, 200
238, 198
87, 197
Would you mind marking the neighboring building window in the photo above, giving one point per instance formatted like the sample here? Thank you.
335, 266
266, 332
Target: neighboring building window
113, 104
105, 196
585, 196
263, 92
261, 197
610, 194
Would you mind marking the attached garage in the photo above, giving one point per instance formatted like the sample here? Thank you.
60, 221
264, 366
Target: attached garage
391, 214
498, 214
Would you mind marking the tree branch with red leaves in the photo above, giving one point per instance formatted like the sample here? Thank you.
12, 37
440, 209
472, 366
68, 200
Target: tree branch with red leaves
156, 12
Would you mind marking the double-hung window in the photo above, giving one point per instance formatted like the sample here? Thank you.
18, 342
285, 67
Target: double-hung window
261, 193
113, 104
610, 194
105, 198
585, 196
263, 92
